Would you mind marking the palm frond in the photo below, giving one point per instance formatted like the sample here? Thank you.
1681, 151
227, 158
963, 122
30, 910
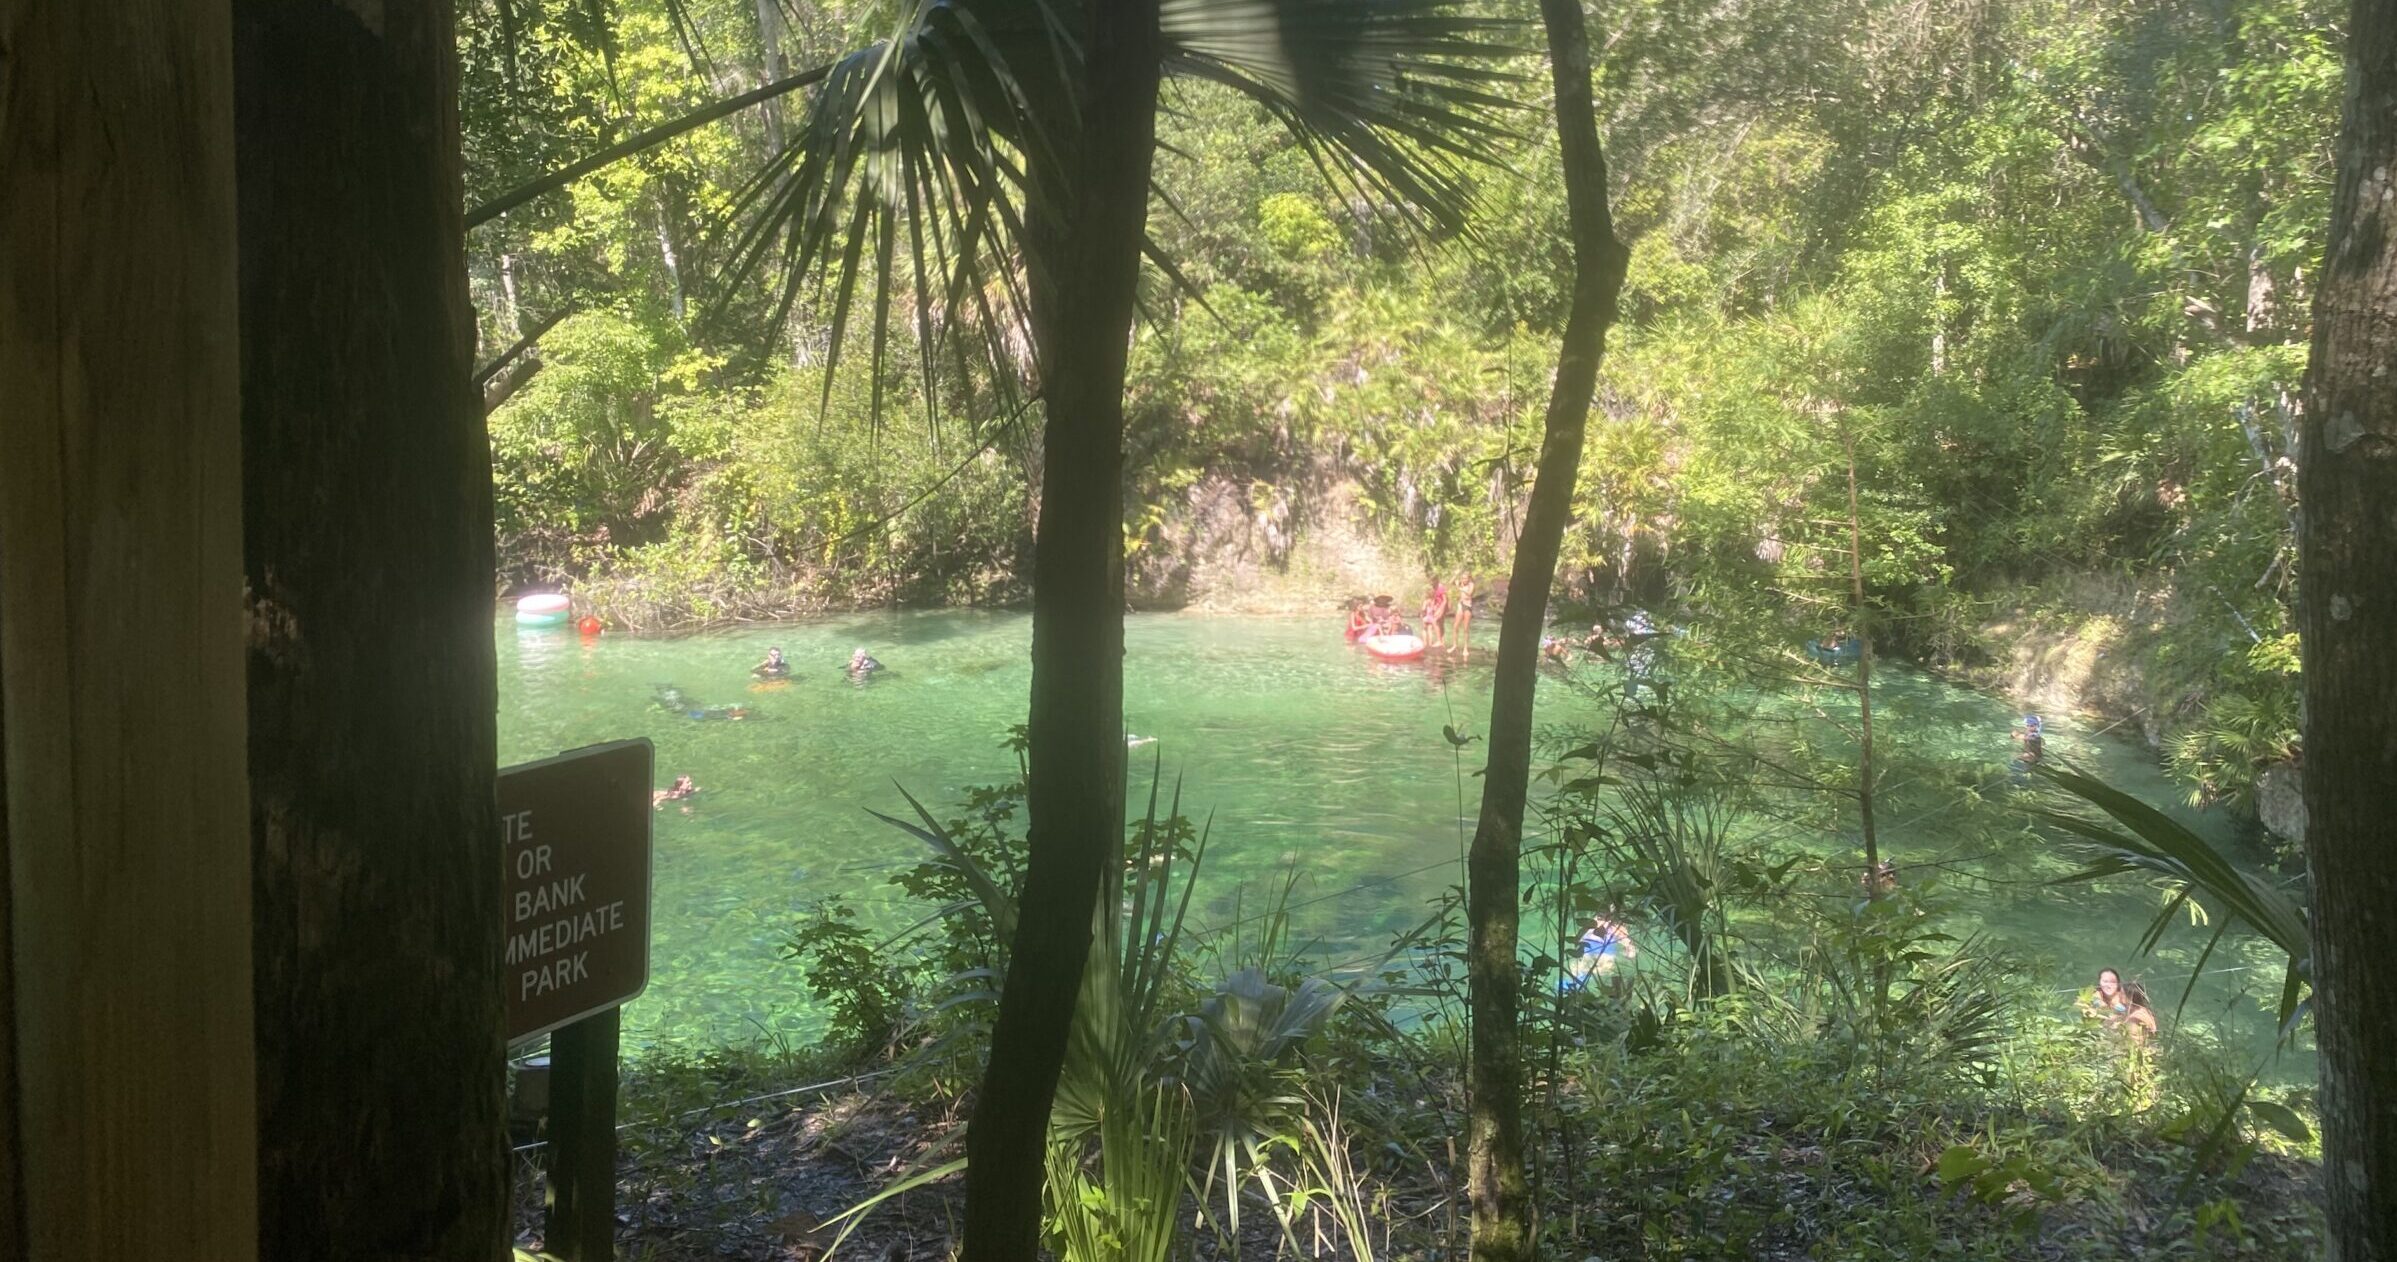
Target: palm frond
1393, 99
955, 124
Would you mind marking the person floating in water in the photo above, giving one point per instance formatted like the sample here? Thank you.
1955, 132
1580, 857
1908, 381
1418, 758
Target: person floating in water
671, 698
1463, 596
1435, 616
774, 667
1360, 619
862, 665
1555, 650
683, 789
2121, 1005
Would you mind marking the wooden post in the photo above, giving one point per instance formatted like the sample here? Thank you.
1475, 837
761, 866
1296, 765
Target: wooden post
127, 1078
582, 1140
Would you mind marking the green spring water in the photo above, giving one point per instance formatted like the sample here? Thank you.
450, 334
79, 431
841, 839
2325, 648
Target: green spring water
1301, 749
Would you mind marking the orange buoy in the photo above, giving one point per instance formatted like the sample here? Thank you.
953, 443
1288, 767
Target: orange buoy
588, 626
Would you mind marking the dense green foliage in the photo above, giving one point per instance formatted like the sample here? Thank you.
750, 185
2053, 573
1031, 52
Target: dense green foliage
2043, 264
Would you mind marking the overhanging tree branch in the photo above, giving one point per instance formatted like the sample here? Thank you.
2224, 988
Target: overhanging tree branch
479, 215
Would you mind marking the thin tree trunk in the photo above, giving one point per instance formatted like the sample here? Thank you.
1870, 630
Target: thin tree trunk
367, 542
511, 315
769, 41
1084, 256
1494, 1134
2347, 612
1864, 680
673, 262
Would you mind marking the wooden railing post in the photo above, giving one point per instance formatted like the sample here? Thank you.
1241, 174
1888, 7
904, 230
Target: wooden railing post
582, 1140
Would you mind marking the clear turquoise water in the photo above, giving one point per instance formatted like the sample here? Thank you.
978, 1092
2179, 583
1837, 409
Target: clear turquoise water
1303, 751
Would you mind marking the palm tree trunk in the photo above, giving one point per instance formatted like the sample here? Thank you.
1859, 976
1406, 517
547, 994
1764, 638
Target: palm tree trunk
1083, 250
367, 542
2347, 611
1494, 1138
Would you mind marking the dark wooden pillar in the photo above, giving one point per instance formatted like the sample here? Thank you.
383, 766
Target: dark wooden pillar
126, 1081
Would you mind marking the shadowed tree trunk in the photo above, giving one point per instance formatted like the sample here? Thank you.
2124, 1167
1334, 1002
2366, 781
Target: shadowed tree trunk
1083, 251
2347, 611
1494, 1137
368, 549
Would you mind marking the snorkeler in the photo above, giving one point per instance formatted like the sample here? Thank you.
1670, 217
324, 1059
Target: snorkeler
773, 667
683, 788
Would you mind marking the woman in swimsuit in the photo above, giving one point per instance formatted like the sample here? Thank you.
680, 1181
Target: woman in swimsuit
2121, 1005
1463, 637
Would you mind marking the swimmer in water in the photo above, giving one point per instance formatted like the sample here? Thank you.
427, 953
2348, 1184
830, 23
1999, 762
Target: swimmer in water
1605, 945
682, 789
2032, 737
2121, 1005
861, 664
774, 667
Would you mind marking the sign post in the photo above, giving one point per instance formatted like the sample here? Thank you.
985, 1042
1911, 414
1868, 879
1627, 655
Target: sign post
577, 837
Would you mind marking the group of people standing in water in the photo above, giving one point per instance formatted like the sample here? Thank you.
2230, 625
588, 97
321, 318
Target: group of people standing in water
1447, 615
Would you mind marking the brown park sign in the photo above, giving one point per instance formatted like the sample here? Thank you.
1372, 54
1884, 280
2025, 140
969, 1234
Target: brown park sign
575, 830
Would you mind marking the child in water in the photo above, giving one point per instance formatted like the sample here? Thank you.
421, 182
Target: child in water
1435, 615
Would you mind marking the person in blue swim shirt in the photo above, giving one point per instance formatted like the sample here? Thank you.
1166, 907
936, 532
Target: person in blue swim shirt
2033, 739
1604, 945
